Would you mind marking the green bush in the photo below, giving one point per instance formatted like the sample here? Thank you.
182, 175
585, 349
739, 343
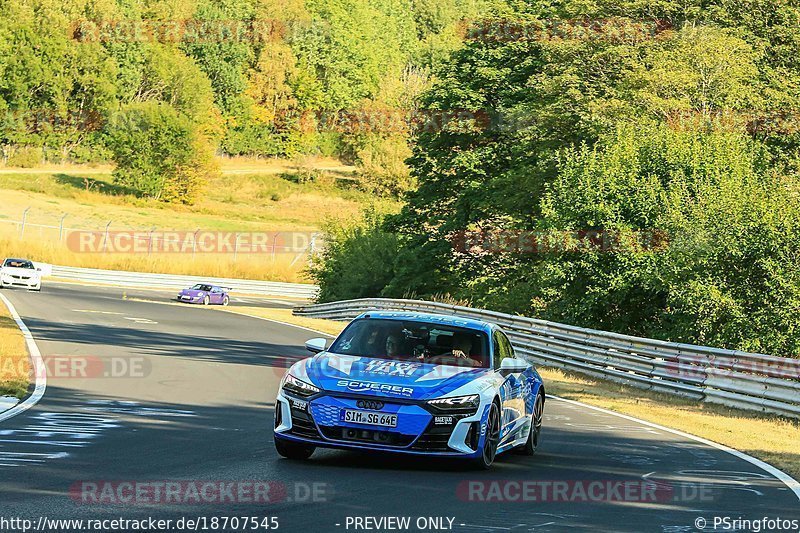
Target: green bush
357, 259
730, 272
26, 157
381, 166
160, 152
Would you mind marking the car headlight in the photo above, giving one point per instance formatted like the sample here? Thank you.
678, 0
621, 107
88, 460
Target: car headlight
459, 404
298, 387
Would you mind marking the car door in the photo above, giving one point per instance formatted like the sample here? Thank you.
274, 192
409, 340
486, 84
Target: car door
216, 295
512, 392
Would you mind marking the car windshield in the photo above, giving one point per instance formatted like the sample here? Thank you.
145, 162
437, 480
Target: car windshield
200, 287
410, 340
18, 263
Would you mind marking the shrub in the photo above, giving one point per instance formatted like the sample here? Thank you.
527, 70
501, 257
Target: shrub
26, 157
357, 259
160, 152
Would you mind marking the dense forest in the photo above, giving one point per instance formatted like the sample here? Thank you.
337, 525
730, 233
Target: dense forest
159, 87
628, 166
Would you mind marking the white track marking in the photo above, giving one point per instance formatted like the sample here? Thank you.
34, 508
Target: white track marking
785, 478
36, 361
140, 320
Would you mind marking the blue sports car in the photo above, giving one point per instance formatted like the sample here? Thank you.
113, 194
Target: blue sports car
411, 383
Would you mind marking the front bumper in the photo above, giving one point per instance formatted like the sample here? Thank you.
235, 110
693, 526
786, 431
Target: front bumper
317, 421
16, 281
189, 299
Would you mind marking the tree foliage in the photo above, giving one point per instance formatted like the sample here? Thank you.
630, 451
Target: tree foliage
686, 130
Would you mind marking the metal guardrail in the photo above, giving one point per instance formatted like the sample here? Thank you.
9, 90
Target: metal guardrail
728, 377
167, 281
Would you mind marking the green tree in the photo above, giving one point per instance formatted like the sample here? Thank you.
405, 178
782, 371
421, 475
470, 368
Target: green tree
160, 152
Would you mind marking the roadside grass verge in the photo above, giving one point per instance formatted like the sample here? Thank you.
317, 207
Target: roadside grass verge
772, 439
14, 361
254, 196
247, 266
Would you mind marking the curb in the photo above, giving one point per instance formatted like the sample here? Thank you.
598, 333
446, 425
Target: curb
783, 477
36, 362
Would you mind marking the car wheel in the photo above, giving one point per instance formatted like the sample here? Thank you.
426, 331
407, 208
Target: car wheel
226, 301
529, 448
206, 300
492, 440
291, 450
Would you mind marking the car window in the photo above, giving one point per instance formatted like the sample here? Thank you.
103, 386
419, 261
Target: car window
17, 263
417, 341
502, 348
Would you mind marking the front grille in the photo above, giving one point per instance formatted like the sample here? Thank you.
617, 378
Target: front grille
303, 425
434, 439
385, 438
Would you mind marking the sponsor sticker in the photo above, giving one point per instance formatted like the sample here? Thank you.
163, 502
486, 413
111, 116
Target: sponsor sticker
368, 386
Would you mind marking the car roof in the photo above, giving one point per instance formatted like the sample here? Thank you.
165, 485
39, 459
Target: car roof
447, 320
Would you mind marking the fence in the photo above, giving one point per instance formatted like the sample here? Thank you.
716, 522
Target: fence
728, 377
166, 281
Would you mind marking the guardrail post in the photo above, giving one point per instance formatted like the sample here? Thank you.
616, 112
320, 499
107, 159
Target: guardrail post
24, 219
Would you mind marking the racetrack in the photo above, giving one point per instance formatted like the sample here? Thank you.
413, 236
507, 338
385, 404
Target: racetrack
199, 407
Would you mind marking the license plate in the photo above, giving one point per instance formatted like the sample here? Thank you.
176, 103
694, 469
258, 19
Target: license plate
369, 417
186, 297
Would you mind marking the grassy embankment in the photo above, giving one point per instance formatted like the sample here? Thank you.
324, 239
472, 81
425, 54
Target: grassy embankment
14, 362
249, 196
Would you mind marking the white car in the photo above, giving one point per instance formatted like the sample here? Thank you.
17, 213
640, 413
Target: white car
20, 273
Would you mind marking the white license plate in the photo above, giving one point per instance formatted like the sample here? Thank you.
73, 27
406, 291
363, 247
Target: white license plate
186, 297
370, 418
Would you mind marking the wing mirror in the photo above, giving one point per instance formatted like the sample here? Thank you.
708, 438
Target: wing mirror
316, 345
512, 365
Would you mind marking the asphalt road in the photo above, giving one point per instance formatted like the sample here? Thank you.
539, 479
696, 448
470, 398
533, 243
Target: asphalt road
191, 399
161, 295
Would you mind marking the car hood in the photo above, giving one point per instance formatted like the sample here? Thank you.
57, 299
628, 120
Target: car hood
192, 292
27, 272
386, 378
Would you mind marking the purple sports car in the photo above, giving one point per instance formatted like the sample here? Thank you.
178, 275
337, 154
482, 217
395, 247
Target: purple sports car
204, 294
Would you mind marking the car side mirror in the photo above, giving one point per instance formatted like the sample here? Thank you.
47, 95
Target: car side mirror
512, 365
316, 345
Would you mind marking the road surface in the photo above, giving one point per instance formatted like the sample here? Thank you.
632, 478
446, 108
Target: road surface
191, 400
